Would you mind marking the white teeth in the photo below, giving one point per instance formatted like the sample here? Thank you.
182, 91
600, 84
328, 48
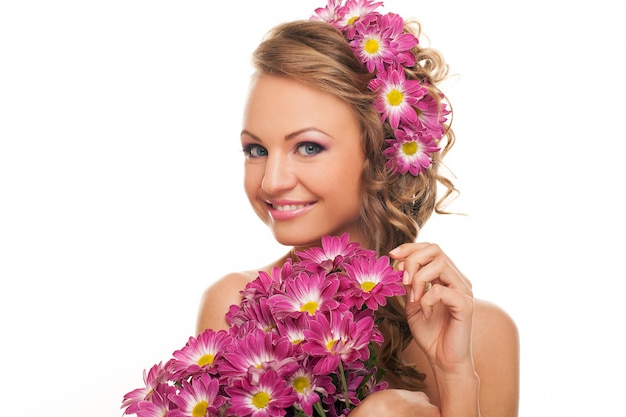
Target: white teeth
289, 207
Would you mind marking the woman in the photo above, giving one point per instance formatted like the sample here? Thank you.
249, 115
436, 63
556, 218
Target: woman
344, 131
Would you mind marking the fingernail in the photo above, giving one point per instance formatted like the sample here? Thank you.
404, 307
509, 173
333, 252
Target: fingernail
412, 298
405, 278
394, 251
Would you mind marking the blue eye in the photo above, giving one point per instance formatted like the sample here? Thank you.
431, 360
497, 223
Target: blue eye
254, 151
309, 148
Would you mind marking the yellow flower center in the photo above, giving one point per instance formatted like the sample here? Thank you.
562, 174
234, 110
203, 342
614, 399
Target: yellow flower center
310, 307
206, 359
352, 20
371, 46
368, 286
395, 97
409, 148
330, 344
301, 384
199, 410
261, 399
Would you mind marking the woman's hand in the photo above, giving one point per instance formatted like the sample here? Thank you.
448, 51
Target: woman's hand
439, 307
396, 403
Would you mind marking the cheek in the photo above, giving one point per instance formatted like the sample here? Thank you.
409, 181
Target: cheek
342, 180
252, 180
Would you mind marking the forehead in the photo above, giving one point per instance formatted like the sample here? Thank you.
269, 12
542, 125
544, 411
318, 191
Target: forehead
282, 103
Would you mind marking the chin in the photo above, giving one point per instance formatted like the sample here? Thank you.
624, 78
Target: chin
297, 239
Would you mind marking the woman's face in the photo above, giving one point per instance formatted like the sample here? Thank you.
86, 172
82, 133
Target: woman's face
303, 161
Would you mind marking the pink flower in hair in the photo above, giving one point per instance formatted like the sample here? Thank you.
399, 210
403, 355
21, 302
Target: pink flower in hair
431, 115
330, 13
396, 97
381, 43
361, 11
401, 43
372, 47
410, 152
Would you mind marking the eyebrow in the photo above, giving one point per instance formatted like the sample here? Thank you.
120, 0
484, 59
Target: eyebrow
289, 136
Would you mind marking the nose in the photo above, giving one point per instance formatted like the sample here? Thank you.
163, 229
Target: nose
279, 174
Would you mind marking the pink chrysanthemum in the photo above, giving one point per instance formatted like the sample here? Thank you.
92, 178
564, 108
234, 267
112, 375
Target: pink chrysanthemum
293, 329
383, 44
198, 398
372, 47
154, 377
199, 354
330, 257
265, 283
409, 152
270, 396
306, 294
160, 403
329, 13
396, 97
361, 11
373, 281
272, 366
257, 351
400, 42
337, 337
258, 314
308, 388
431, 115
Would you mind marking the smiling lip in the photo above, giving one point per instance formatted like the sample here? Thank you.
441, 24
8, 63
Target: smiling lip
286, 210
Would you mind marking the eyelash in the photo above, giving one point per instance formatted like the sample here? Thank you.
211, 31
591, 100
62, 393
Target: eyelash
250, 150
319, 148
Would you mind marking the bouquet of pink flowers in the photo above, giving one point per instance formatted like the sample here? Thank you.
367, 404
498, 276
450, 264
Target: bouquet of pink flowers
301, 343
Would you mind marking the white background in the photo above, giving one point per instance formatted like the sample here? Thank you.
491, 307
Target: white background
121, 197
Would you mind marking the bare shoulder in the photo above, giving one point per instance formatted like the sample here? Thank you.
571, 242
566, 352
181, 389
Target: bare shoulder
496, 358
492, 320
495, 333
217, 299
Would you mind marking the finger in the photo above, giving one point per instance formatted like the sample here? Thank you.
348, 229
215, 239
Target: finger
460, 306
406, 249
436, 273
415, 255
411, 295
418, 255
407, 256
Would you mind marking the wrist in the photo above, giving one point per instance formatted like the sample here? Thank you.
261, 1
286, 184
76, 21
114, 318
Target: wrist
459, 392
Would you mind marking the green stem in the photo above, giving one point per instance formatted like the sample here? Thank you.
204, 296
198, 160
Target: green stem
319, 409
344, 385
